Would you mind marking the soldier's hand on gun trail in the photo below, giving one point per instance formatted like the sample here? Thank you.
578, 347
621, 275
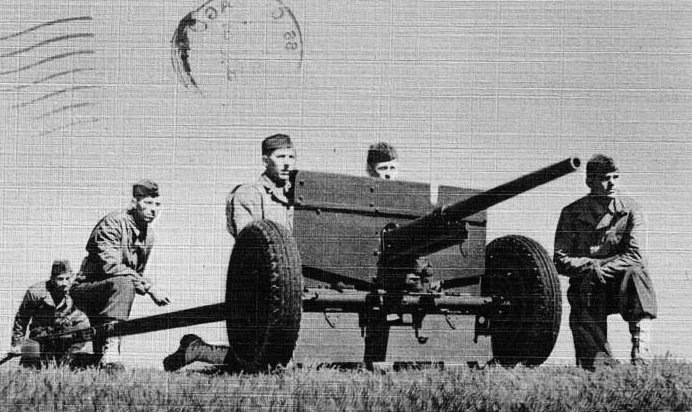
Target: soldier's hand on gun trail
158, 296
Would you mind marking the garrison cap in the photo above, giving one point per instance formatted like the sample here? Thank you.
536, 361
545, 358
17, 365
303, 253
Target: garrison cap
381, 152
60, 266
145, 188
276, 142
600, 165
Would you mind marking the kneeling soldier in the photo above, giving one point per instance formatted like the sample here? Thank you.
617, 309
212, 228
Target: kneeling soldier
269, 198
47, 308
598, 245
112, 273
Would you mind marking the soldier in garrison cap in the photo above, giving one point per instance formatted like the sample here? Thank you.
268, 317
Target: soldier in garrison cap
46, 309
382, 161
599, 245
112, 273
271, 198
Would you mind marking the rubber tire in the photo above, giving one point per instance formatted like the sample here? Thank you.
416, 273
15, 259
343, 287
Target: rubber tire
263, 298
519, 270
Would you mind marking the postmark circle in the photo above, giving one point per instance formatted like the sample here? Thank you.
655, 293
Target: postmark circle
243, 43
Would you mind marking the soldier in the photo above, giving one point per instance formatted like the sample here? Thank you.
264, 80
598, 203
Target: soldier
269, 198
112, 272
598, 245
382, 161
47, 308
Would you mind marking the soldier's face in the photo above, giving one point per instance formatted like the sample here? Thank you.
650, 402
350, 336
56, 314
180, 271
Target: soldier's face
279, 165
604, 185
387, 170
62, 282
147, 208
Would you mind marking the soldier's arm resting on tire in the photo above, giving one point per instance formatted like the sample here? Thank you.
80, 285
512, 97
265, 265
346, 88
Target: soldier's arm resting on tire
632, 246
243, 207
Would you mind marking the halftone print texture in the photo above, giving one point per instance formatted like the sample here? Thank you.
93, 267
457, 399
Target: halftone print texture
97, 95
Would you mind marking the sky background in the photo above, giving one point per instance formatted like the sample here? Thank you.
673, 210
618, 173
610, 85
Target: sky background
472, 94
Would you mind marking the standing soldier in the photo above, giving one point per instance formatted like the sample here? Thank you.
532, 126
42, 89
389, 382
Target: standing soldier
598, 245
48, 309
113, 270
269, 198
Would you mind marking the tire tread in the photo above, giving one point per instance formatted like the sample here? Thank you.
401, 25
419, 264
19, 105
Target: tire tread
261, 344
531, 336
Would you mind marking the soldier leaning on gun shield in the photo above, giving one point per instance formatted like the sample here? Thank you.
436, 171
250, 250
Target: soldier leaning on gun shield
271, 197
599, 244
46, 309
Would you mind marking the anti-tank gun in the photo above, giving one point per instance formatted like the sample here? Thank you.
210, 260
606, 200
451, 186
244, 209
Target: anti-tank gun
356, 247
348, 229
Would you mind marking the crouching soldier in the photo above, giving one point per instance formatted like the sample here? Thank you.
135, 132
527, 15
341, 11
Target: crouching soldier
112, 273
47, 308
599, 246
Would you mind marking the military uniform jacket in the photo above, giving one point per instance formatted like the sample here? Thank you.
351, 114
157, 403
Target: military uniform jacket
117, 246
611, 232
42, 314
262, 200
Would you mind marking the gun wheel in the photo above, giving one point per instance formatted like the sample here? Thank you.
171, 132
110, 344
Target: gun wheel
519, 271
263, 297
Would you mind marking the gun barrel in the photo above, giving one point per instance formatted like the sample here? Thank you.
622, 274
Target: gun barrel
440, 229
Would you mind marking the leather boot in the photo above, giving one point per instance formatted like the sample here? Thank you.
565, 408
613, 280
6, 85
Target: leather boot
641, 354
111, 354
193, 349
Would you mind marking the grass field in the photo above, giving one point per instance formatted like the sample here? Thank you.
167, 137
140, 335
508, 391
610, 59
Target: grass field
663, 386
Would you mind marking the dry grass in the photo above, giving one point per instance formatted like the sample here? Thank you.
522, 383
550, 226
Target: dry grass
664, 386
